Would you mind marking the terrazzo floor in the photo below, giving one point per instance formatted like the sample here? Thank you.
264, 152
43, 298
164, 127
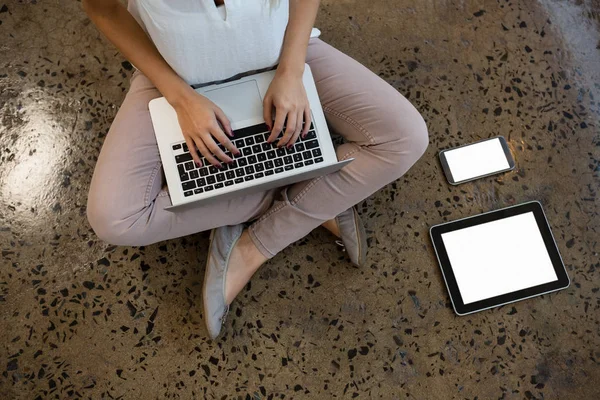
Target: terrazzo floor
80, 318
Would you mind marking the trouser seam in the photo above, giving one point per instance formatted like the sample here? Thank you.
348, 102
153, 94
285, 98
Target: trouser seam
352, 122
151, 182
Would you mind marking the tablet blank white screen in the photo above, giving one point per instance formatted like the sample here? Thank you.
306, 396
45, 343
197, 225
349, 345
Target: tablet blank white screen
476, 160
498, 257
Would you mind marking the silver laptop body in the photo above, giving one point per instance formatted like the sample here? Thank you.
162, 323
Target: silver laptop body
261, 166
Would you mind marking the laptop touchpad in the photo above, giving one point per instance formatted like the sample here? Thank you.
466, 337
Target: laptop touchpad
239, 101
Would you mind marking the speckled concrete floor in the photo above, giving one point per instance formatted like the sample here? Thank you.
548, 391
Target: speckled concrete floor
81, 318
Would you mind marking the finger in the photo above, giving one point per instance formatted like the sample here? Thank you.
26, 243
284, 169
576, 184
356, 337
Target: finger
298, 130
222, 118
289, 129
307, 121
192, 148
205, 152
280, 115
215, 149
224, 140
267, 112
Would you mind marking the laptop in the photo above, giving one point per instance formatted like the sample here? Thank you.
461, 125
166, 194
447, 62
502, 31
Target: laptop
261, 166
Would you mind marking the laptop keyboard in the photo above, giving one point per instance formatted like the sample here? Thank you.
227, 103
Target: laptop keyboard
258, 160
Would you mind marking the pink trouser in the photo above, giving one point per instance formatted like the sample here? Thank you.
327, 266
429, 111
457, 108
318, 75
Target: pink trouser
384, 133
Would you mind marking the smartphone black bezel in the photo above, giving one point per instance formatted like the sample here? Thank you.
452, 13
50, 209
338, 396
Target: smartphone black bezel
448, 172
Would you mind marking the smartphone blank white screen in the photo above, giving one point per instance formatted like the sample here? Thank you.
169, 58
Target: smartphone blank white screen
498, 257
476, 160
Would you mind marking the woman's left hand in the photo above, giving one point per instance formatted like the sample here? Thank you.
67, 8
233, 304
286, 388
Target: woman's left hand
288, 95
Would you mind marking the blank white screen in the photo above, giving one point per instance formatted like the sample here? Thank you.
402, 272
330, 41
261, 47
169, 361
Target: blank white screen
498, 257
476, 160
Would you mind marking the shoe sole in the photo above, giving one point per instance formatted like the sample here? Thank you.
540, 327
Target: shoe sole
362, 239
212, 235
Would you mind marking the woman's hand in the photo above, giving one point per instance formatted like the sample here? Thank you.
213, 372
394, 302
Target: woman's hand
201, 122
287, 94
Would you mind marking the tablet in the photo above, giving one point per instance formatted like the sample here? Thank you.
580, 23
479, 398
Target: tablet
498, 257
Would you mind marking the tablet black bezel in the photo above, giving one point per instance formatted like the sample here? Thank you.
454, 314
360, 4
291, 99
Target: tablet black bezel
457, 302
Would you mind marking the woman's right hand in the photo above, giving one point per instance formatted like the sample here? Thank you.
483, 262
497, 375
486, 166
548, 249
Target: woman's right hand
203, 124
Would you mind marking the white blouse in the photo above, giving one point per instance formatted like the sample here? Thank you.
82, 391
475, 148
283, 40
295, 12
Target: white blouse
205, 43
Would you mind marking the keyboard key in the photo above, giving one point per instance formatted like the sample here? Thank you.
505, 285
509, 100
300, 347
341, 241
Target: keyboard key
247, 151
189, 165
242, 162
249, 141
248, 178
198, 191
299, 146
288, 160
297, 157
203, 171
208, 188
230, 174
233, 165
185, 147
239, 172
212, 169
309, 162
240, 144
278, 162
269, 172
250, 169
316, 152
259, 167
257, 148
278, 170
259, 138
259, 175
201, 182
194, 174
176, 146
298, 165
320, 159
211, 179
239, 180
266, 146
188, 193
228, 183
219, 185
183, 158
280, 152
181, 169
266, 135
311, 135
184, 177
290, 150
289, 167
271, 154
307, 155
252, 160
189, 185
312, 144
262, 157
269, 165
220, 177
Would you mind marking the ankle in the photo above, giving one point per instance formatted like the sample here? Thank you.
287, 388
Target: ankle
251, 254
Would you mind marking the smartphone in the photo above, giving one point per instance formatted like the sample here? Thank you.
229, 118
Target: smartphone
476, 160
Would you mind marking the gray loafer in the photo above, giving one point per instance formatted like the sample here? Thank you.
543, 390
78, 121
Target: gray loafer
352, 233
222, 241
